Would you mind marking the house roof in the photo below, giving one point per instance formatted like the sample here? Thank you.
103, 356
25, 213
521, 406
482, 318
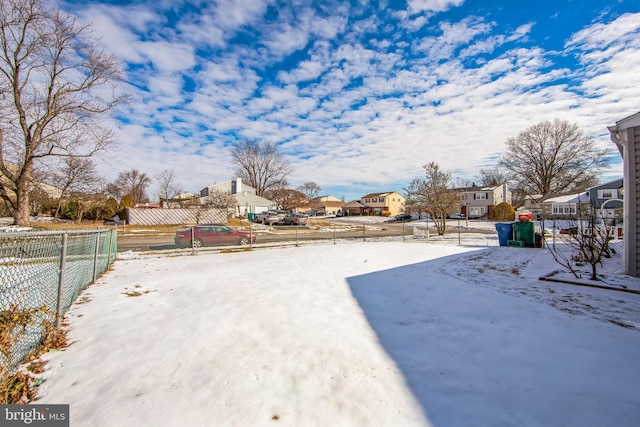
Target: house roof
332, 204
615, 183
252, 200
617, 137
582, 197
478, 188
326, 198
379, 194
354, 204
631, 121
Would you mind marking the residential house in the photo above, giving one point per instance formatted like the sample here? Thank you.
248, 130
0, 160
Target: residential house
564, 205
533, 204
39, 190
329, 204
184, 200
354, 208
385, 204
626, 135
607, 199
248, 202
479, 201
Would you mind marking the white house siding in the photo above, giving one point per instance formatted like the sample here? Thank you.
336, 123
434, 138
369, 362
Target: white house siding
626, 135
634, 138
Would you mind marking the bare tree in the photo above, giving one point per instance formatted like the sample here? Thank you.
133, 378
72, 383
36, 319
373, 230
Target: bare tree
414, 202
553, 157
310, 190
132, 182
221, 199
260, 164
74, 175
588, 243
167, 186
57, 86
492, 177
435, 193
286, 198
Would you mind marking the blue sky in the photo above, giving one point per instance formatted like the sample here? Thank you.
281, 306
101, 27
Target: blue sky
361, 94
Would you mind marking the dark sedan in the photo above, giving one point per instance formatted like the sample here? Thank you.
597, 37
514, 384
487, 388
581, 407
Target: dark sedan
212, 235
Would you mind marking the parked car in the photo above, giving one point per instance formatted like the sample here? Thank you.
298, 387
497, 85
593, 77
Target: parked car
295, 219
260, 216
270, 217
456, 216
403, 217
115, 220
570, 231
212, 234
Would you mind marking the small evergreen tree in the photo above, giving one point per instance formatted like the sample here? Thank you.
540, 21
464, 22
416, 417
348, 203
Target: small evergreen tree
70, 210
110, 207
126, 202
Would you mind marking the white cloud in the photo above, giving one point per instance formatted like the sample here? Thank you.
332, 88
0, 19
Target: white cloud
168, 57
600, 35
419, 12
454, 35
358, 107
307, 70
419, 6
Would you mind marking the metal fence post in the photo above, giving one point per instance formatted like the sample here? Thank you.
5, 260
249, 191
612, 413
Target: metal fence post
115, 230
63, 261
95, 258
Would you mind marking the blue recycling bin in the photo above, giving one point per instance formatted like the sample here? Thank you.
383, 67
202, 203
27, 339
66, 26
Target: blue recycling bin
505, 232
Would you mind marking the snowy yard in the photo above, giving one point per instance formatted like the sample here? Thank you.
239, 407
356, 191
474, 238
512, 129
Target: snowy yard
376, 333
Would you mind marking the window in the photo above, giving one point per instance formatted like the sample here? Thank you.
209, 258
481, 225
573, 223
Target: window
479, 210
607, 193
480, 196
564, 209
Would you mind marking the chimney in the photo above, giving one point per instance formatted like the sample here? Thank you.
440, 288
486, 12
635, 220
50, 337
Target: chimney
238, 185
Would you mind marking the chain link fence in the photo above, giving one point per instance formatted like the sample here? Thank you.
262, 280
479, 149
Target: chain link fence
41, 275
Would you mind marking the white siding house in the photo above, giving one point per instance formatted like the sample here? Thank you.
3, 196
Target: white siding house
247, 199
626, 135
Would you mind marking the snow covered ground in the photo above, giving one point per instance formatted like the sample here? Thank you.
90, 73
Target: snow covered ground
376, 333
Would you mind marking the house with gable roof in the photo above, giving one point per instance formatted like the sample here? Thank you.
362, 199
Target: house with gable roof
390, 203
247, 199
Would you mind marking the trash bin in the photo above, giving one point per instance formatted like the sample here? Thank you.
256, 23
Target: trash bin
524, 231
538, 240
250, 216
505, 232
